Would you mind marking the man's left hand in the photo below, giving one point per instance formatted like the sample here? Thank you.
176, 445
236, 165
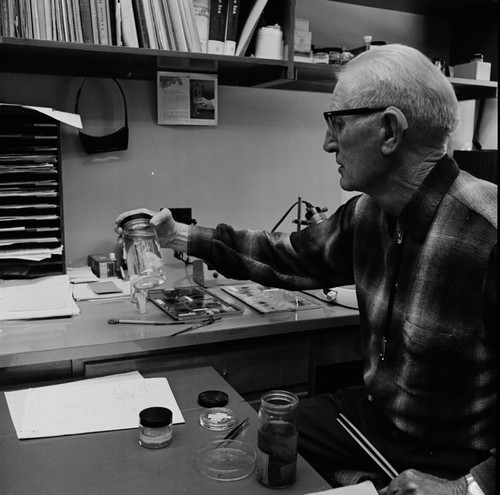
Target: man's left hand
412, 482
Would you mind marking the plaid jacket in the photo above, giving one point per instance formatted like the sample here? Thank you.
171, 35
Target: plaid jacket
431, 298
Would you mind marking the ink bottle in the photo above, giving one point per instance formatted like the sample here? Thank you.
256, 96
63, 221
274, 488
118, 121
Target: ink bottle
155, 427
277, 439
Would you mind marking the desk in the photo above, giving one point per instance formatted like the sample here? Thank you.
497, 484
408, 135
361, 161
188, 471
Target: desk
253, 352
114, 463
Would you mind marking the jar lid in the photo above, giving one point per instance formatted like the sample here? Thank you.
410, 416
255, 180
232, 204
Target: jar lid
213, 398
135, 216
155, 417
217, 418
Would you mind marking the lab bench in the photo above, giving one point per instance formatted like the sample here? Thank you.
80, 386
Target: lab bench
254, 352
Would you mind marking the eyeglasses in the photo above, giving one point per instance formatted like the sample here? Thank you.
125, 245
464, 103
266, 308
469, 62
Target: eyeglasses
330, 116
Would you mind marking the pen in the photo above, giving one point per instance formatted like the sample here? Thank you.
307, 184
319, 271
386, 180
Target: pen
117, 321
199, 325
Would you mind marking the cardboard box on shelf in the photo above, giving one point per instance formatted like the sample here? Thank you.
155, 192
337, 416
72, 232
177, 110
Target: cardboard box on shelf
473, 70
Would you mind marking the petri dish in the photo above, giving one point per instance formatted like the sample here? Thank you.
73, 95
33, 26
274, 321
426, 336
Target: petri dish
217, 418
226, 460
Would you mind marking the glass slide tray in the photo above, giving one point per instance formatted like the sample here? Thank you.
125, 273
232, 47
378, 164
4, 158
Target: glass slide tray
270, 299
191, 303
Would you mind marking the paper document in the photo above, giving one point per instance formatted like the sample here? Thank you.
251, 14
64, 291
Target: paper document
365, 488
44, 297
72, 119
86, 406
82, 292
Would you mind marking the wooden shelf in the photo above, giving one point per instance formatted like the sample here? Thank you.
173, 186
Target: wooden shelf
78, 59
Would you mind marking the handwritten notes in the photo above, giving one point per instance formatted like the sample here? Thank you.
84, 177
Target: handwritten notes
112, 403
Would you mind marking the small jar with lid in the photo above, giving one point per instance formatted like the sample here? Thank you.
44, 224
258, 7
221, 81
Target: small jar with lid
155, 427
144, 261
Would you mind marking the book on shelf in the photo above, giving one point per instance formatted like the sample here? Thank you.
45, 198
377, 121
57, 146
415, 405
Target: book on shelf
233, 13
160, 24
150, 27
102, 22
217, 26
170, 28
175, 16
189, 25
202, 16
129, 30
86, 18
140, 22
249, 27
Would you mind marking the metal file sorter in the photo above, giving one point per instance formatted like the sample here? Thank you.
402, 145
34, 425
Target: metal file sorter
31, 211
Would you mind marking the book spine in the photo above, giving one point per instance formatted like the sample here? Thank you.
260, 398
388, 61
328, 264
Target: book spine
129, 30
78, 21
150, 27
217, 26
140, 21
232, 27
86, 18
175, 15
102, 24
202, 18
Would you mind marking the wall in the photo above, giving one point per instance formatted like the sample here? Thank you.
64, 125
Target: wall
266, 151
247, 171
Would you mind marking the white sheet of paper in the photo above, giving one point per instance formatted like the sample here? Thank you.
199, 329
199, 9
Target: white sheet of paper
88, 406
43, 297
365, 488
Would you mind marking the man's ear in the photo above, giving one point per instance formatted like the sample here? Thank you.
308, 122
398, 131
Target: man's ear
395, 124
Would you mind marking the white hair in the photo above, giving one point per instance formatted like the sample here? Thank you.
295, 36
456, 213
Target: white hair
401, 76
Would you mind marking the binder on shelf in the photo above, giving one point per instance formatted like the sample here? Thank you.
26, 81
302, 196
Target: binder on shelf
217, 26
233, 14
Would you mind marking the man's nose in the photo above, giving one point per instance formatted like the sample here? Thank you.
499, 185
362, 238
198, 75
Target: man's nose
330, 145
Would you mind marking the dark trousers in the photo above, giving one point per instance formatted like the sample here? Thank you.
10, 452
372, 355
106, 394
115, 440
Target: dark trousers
329, 448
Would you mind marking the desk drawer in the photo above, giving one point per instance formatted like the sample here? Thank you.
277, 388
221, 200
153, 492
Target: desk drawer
249, 366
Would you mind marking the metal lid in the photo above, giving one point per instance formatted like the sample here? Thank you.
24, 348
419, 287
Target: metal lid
134, 218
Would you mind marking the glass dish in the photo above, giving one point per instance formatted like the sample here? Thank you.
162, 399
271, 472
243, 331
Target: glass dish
217, 419
226, 460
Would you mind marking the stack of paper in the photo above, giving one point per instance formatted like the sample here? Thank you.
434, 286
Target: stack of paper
100, 404
44, 297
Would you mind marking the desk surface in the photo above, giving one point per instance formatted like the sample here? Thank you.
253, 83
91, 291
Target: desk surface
114, 463
28, 342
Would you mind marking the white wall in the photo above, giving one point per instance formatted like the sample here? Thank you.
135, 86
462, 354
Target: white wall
266, 151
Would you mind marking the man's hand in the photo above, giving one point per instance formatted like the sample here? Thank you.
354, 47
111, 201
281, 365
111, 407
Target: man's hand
412, 482
163, 222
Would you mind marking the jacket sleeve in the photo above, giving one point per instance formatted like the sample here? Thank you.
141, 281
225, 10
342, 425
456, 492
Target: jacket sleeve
318, 256
485, 474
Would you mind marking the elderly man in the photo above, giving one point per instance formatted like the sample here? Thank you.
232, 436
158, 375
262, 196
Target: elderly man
419, 243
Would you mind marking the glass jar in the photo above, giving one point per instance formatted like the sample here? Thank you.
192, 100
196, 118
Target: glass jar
144, 261
277, 439
155, 427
